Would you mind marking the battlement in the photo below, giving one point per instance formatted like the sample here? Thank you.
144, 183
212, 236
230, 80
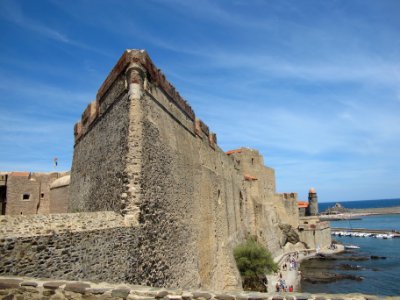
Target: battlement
136, 68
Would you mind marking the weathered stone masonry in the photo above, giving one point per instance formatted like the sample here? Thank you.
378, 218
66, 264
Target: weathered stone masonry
69, 246
153, 199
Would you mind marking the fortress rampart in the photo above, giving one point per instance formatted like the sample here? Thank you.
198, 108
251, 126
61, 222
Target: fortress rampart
175, 205
67, 246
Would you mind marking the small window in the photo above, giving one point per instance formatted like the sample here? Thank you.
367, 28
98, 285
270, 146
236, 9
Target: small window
252, 161
42, 195
26, 197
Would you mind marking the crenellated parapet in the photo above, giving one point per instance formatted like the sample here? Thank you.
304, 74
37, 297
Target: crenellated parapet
136, 69
89, 115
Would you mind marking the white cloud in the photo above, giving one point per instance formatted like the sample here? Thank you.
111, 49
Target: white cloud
12, 12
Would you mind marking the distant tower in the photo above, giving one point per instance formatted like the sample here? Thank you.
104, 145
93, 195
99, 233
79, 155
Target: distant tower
312, 209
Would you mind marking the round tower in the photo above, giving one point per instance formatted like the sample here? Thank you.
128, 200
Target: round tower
312, 203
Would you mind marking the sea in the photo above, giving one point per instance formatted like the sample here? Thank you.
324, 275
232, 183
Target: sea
379, 276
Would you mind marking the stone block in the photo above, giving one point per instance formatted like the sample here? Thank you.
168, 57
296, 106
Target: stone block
197, 127
257, 296
161, 294
53, 285
77, 131
77, 287
224, 297
212, 140
97, 291
121, 293
203, 295
9, 283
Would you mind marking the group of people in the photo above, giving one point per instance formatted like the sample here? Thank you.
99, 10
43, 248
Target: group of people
291, 260
281, 286
291, 263
332, 247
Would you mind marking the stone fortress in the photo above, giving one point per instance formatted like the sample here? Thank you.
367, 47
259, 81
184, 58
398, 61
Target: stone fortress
151, 198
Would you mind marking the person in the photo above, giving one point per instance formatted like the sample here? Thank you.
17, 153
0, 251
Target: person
277, 287
291, 288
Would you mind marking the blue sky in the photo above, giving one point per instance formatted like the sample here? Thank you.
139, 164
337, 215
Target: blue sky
313, 85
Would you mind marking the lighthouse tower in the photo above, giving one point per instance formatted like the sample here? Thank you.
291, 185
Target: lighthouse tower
312, 209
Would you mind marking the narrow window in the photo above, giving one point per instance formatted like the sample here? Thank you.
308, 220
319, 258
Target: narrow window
26, 197
42, 195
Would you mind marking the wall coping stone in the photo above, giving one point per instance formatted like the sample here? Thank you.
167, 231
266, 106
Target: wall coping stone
37, 225
76, 289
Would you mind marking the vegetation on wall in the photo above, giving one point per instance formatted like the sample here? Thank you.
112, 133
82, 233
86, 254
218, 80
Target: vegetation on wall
254, 262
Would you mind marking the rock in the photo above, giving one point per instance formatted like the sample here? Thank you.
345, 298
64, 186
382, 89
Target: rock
321, 256
290, 235
326, 277
349, 267
121, 293
377, 257
224, 297
97, 291
161, 294
53, 285
29, 283
77, 287
202, 295
9, 283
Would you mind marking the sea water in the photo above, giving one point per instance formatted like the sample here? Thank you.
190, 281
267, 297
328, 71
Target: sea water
380, 276
361, 204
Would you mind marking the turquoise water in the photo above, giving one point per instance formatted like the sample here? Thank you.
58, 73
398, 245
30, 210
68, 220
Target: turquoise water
382, 276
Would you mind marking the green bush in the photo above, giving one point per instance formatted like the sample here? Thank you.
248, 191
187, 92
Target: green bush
253, 262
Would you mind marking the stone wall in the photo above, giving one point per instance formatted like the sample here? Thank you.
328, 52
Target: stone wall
32, 288
260, 216
140, 151
59, 195
315, 233
163, 171
22, 194
191, 190
94, 246
98, 169
287, 209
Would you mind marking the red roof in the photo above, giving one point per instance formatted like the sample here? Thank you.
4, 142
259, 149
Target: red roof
302, 204
233, 151
20, 174
249, 178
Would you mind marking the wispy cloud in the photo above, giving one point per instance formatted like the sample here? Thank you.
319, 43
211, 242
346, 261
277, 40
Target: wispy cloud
11, 11
314, 86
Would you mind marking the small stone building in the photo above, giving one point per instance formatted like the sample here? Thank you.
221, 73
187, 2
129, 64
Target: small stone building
25, 193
